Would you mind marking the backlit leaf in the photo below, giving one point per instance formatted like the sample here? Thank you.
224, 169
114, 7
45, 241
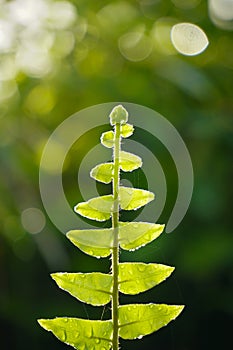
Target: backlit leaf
96, 243
137, 277
107, 139
137, 320
134, 235
79, 333
129, 161
134, 198
91, 288
118, 115
126, 130
102, 172
98, 208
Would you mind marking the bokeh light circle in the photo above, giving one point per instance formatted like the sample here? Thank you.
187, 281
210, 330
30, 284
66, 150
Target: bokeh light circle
189, 39
33, 220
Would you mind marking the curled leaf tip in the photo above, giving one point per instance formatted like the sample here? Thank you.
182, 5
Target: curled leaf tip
118, 115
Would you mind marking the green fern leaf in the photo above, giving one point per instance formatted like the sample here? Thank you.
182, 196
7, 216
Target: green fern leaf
127, 321
96, 243
135, 278
129, 161
137, 320
79, 333
98, 208
99, 242
134, 198
118, 115
134, 235
107, 139
92, 288
126, 130
102, 172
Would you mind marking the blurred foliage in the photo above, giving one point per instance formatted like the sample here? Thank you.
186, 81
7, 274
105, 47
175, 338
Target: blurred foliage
58, 57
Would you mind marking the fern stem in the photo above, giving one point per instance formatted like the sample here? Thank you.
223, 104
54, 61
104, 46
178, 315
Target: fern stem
115, 223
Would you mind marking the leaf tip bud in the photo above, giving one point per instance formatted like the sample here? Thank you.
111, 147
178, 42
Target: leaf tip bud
118, 115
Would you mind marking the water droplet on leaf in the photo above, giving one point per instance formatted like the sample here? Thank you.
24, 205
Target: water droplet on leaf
63, 335
141, 268
148, 237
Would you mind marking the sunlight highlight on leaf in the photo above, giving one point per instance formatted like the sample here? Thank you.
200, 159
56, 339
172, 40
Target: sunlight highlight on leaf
129, 161
134, 198
96, 243
102, 172
137, 320
91, 288
138, 277
133, 235
98, 208
107, 139
79, 333
126, 130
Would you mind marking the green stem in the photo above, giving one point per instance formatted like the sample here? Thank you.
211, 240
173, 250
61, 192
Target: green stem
115, 250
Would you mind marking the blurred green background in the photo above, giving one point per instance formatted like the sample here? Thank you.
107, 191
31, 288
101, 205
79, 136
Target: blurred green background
58, 57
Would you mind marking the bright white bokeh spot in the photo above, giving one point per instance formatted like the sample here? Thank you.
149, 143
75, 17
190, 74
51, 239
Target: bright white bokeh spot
221, 13
61, 14
135, 46
33, 220
35, 35
7, 36
223, 9
34, 39
189, 39
35, 63
27, 12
